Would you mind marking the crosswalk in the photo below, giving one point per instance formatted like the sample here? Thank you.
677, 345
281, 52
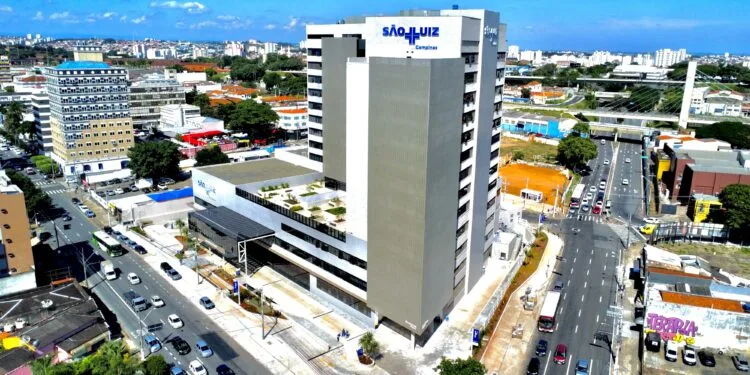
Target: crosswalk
51, 187
588, 217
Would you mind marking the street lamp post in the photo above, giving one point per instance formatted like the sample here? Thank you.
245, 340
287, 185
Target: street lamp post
140, 331
262, 313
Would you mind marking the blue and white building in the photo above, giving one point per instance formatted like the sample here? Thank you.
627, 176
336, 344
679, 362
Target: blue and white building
543, 126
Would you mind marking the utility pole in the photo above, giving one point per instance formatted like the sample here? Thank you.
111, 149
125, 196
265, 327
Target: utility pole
554, 207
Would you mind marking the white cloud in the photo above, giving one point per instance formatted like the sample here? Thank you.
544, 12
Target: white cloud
38, 16
292, 23
193, 7
179, 25
5, 9
123, 18
227, 17
59, 15
656, 23
203, 24
107, 15
138, 20
270, 26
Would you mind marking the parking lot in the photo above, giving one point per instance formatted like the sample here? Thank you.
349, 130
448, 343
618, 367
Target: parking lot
654, 363
123, 188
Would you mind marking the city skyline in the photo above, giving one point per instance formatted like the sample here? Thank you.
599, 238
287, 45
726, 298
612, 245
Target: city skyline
638, 26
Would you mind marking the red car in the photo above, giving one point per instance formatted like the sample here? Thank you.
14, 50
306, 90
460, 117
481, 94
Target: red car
561, 354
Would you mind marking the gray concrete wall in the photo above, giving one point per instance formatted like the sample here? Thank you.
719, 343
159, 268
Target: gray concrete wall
413, 165
336, 51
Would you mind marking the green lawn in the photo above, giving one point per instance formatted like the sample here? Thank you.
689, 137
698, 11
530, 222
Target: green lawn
529, 149
546, 112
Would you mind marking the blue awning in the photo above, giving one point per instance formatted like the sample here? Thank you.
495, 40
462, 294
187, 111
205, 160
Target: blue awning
171, 194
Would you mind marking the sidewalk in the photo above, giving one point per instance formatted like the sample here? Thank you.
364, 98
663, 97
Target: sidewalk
628, 356
503, 351
242, 326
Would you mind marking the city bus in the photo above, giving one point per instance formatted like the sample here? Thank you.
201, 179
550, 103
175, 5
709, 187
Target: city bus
106, 243
575, 199
549, 310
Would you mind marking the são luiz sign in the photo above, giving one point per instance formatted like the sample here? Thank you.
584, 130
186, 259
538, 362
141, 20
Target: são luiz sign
413, 34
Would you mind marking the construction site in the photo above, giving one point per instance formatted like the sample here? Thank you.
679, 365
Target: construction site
539, 187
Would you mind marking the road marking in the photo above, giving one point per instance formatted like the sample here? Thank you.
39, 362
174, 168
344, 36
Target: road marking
568, 282
576, 251
589, 260
597, 318
565, 295
561, 310
605, 267
583, 297
591, 365
570, 358
587, 271
145, 287
585, 283
602, 282
547, 365
600, 297
592, 251
574, 259
571, 272
579, 313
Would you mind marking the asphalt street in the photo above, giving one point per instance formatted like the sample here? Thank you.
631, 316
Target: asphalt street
197, 325
588, 267
628, 199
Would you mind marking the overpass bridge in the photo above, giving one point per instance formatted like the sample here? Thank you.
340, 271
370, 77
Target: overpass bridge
602, 80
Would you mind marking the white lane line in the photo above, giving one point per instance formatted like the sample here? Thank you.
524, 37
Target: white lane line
568, 282
592, 251
597, 318
589, 260
145, 287
579, 313
570, 358
565, 295
576, 251
583, 297
561, 310
600, 299
602, 282
591, 365
571, 271
574, 259
585, 284
605, 267
547, 364
587, 272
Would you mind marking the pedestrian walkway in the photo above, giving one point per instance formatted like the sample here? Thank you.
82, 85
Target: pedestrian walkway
503, 351
589, 217
628, 359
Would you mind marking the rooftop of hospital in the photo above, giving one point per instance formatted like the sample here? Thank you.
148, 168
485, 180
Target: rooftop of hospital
255, 171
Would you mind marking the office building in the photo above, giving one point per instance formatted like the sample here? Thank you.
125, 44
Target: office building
148, 95
293, 121
90, 115
16, 259
639, 72
391, 215
513, 52
667, 57
5, 75
40, 109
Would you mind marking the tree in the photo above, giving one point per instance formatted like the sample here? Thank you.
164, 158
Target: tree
735, 200
736, 133
369, 345
13, 117
36, 199
271, 79
293, 84
44, 366
582, 128
110, 358
255, 119
458, 366
155, 365
525, 93
210, 156
10, 89
517, 155
191, 95
177, 67
154, 160
574, 151
204, 103
247, 70
547, 70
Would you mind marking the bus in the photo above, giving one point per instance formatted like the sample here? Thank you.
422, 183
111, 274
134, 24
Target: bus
549, 310
575, 199
106, 243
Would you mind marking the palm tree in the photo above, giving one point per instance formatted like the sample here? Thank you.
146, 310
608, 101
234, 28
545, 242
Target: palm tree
369, 345
42, 366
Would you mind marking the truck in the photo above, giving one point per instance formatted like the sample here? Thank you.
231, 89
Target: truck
110, 273
137, 303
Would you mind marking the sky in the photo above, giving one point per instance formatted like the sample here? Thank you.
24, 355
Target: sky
701, 26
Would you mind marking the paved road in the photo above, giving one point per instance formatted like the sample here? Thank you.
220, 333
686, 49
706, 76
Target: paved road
197, 325
628, 199
587, 268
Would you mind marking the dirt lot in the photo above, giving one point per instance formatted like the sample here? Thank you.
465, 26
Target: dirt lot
518, 176
530, 150
735, 260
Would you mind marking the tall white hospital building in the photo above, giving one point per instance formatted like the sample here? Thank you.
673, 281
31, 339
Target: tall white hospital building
391, 214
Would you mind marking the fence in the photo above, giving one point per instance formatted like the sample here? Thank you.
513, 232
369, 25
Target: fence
481, 322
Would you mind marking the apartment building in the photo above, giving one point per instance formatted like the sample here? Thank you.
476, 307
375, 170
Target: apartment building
293, 121
41, 112
16, 258
89, 114
667, 57
148, 95
392, 212
5, 75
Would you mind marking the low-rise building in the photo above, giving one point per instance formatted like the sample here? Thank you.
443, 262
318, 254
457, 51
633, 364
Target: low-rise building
529, 123
707, 172
16, 258
639, 72
184, 118
293, 121
689, 142
701, 206
716, 102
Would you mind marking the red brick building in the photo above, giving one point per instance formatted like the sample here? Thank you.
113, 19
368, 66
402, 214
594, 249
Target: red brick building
705, 172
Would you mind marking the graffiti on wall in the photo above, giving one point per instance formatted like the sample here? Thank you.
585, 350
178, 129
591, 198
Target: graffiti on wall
671, 328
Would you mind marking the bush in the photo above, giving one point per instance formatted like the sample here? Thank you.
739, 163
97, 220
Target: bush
315, 208
336, 211
296, 208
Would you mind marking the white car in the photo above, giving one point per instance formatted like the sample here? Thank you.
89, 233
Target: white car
606, 161
133, 278
670, 351
197, 368
604, 142
592, 189
651, 220
175, 321
119, 191
157, 301
688, 356
627, 160
589, 196
602, 185
625, 181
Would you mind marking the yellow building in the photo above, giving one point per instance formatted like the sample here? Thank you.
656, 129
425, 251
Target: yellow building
663, 163
701, 205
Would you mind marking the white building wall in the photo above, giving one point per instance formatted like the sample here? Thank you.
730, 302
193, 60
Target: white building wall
357, 119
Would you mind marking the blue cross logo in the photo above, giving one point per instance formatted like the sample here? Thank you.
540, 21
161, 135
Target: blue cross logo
412, 36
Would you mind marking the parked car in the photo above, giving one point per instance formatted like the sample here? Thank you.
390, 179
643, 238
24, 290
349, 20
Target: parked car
119, 191
606, 161
223, 369
207, 303
173, 274
625, 181
175, 321
75, 200
204, 349
533, 367
647, 229
688, 356
110, 193
627, 160
140, 249
133, 187
162, 186
133, 278
651, 220
561, 354
108, 230
197, 368
582, 367
670, 351
740, 362
67, 218
152, 343
707, 358
165, 266
559, 284
177, 370
157, 301
146, 190
592, 189
166, 181
90, 214
541, 348
603, 141
180, 345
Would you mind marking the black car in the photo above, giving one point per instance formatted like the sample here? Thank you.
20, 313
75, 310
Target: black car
165, 266
541, 348
67, 218
223, 369
75, 200
707, 358
140, 250
107, 230
172, 273
533, 368
146, 190
180, 345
